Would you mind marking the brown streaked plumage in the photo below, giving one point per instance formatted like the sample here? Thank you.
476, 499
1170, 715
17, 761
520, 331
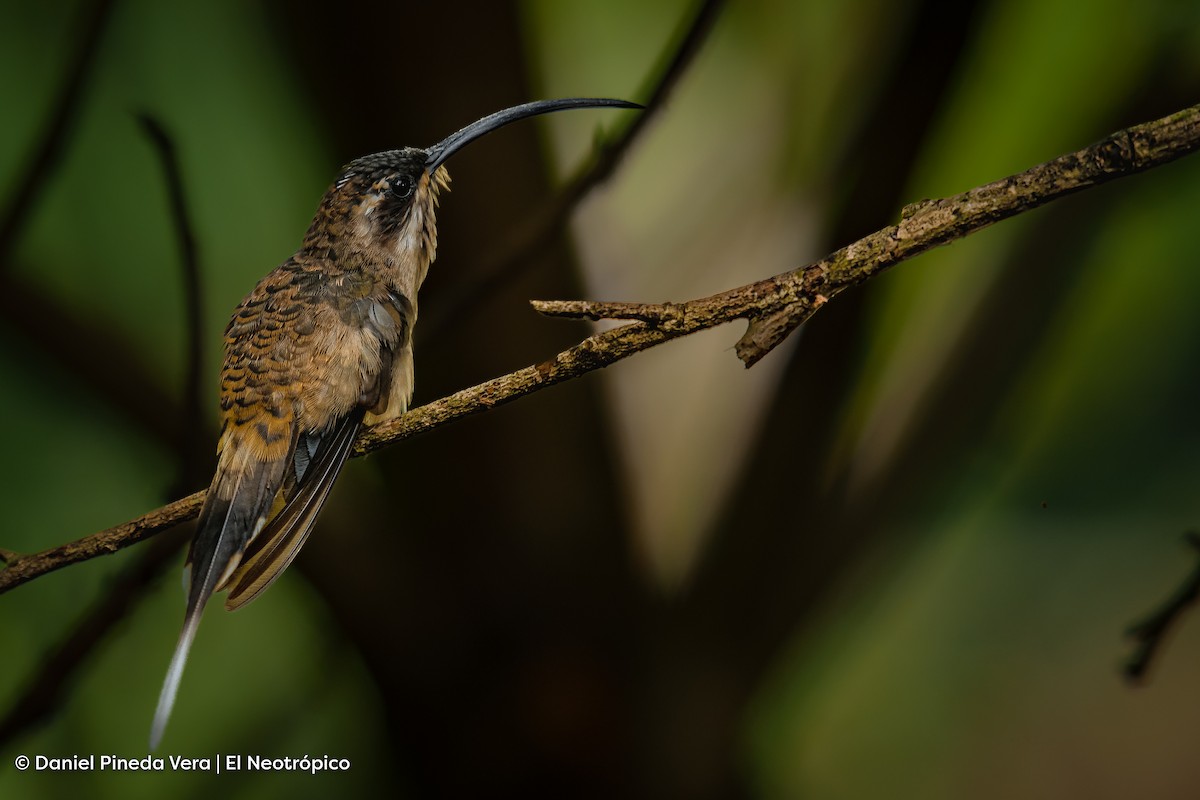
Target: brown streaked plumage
322, 345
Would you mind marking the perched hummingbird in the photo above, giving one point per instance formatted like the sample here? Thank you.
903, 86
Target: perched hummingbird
321, 346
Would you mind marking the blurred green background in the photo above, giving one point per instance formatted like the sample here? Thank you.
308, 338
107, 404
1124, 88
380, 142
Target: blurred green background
893, 560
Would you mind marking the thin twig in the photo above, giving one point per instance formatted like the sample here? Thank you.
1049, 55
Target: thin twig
92, 353
192, 433
1150, 633
50, 144
543, 226
657, 314
795, 294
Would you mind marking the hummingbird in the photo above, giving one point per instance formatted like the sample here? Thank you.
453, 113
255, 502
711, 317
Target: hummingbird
319, 348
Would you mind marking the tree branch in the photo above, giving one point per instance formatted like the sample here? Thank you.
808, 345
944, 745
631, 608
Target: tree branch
193, 434
774, 306
57, 129
1151, 631
930, 223
23, 568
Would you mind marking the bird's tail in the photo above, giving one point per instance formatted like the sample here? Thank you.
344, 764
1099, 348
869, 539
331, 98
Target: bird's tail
235, 510
166, 698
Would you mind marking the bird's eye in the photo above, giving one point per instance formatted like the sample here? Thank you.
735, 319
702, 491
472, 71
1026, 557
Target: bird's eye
401, 186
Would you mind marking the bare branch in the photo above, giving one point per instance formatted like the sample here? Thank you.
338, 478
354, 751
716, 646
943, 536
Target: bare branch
931, 223
1150, 632
193, 434
24, 568
83, 350
657, 314
774, 306
57, 128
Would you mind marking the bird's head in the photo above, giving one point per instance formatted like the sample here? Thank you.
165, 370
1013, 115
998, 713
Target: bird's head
386, 202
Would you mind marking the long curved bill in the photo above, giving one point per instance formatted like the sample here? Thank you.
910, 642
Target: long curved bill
455, 141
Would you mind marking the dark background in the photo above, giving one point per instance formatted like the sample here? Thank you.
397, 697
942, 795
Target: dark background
894, 559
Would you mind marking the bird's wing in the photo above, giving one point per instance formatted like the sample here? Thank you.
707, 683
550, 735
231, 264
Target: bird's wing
279, 542
372, 336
